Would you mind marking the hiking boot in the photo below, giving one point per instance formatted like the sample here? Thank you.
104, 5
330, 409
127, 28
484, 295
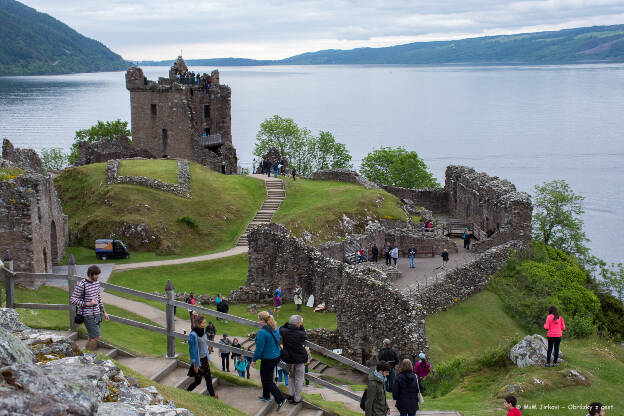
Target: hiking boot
280, 405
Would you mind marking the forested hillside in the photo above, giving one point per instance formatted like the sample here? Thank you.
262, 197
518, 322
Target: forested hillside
33, 43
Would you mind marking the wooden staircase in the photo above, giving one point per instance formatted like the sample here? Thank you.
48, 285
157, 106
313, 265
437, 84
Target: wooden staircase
275, 196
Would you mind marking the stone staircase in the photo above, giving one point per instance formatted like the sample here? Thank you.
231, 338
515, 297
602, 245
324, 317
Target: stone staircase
275, 196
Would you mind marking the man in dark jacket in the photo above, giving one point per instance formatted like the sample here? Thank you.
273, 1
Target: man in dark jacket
390, 356
292, 335
405, 389
375, 251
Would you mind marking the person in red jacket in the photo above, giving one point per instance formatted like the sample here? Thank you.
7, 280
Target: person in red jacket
555, 327
510, 403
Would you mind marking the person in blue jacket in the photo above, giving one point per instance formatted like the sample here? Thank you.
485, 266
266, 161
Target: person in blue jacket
200, 357
268, 350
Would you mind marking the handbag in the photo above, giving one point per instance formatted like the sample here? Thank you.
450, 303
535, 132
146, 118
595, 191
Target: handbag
420, 396
79, 318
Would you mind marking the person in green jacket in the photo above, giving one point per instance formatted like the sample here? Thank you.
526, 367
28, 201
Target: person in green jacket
376, 404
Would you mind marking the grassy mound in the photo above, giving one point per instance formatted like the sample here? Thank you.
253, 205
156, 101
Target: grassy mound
163, 170
318, 208
218, 212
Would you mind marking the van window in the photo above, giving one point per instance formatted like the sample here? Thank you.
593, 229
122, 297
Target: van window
117, 246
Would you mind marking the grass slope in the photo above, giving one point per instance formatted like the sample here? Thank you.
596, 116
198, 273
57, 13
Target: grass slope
317, 207
163, 170
477, 329
221, 207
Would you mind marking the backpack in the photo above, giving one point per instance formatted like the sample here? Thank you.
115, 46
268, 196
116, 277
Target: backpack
363, 400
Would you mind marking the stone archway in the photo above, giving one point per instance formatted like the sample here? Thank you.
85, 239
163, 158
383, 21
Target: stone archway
54, 244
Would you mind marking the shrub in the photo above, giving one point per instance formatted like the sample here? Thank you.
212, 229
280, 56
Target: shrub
446, 377
6, 174
53, 159
188, 220
580, 326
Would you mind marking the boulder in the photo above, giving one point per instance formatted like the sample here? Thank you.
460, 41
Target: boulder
9, 320
530, 351
13, 350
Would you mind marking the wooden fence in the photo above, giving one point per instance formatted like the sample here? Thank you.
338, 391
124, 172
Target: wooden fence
10, 277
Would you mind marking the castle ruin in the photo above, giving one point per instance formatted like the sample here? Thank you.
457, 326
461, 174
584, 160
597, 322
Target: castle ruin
185, 116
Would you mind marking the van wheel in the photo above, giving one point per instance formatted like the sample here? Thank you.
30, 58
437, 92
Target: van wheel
127, 256
103, 257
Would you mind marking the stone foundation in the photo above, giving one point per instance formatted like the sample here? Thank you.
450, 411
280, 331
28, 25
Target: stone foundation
343, 175
182, 188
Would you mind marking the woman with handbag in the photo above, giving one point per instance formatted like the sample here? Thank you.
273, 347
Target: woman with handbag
406, 389
200, 357
269, 351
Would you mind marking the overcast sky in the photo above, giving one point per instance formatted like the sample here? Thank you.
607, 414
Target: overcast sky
275, 29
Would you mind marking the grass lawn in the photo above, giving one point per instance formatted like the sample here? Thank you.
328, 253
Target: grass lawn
318, 207
221, 207
162, 170
206, 277
454, 332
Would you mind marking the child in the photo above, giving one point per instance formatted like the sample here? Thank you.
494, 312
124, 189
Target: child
510, 403
282, 373
241, 365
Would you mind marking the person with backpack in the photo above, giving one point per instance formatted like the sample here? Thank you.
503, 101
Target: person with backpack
555, 327
405, 389
445, 257
277, 302
268, 350
241, 365
388, 355
225, 354
374, 401
421, 369
223, 307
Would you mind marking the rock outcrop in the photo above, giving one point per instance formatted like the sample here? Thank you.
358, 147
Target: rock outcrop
46, 374
26, 159
530, 351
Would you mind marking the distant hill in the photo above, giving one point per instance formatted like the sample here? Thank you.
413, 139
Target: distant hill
33, 43
569, 46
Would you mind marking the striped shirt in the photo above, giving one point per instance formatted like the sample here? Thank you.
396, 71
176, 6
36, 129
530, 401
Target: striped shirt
85, 292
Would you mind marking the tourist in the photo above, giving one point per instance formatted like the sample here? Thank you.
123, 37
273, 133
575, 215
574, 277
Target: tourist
225, 354
405, 389
197, 77
211, 331
235, 344
466, 237
510, 403
253, 165
247, 359
365, 356
293, 337
268, 351
387, 249
241, 364
394, 253
375, 252
275, 169
218, 299
88, 301
595, 409
445, 257
388, 355
277, 302
282, 374
555, 327
428, 225
200, 357
376, 404
411, 252
360, 254
421, 369
298, 297
267, 167
191, 301
294, 173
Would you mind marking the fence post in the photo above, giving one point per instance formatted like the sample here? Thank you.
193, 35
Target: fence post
9, 280
71, 285
170, 320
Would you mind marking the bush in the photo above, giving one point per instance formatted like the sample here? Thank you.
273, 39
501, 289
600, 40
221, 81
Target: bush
580, 326
103, 130
53, 158
446, 377
188, 220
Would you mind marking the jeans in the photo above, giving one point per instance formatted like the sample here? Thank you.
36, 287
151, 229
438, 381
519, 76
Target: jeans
297, 374
467, 244
394, 259
267, 368
390, 380
553, 342
411, 257
282, 374
241, 373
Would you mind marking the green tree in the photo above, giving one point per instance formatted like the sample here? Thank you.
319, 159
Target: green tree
304, 151
556, 219
397, 167
103, 130
613, 279
53, 158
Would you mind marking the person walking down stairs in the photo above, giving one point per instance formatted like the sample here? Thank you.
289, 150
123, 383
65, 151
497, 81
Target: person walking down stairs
225, 355
200, 357
268, 351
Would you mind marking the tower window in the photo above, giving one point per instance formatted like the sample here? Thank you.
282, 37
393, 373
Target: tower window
206, 111
153, 110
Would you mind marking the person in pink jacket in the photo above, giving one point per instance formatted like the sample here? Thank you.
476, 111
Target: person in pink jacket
555, 327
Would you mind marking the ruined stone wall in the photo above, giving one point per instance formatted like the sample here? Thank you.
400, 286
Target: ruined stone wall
342, 175
464, 281
368, 308
490, 203
182, 188
169, 118
433, 199
26, 159
105, 150
32, 224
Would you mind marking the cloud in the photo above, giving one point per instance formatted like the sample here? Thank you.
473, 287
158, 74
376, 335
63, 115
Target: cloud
274, 29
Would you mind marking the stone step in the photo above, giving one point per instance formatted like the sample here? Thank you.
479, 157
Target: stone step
165, 370
244, 399
310, 412
174, 377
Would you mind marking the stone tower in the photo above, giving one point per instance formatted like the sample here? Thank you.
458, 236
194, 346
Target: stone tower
182, 117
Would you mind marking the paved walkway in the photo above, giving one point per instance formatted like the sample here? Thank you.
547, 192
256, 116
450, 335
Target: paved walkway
227, 253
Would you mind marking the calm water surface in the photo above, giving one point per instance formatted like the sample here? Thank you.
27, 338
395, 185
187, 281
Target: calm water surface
526, 124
